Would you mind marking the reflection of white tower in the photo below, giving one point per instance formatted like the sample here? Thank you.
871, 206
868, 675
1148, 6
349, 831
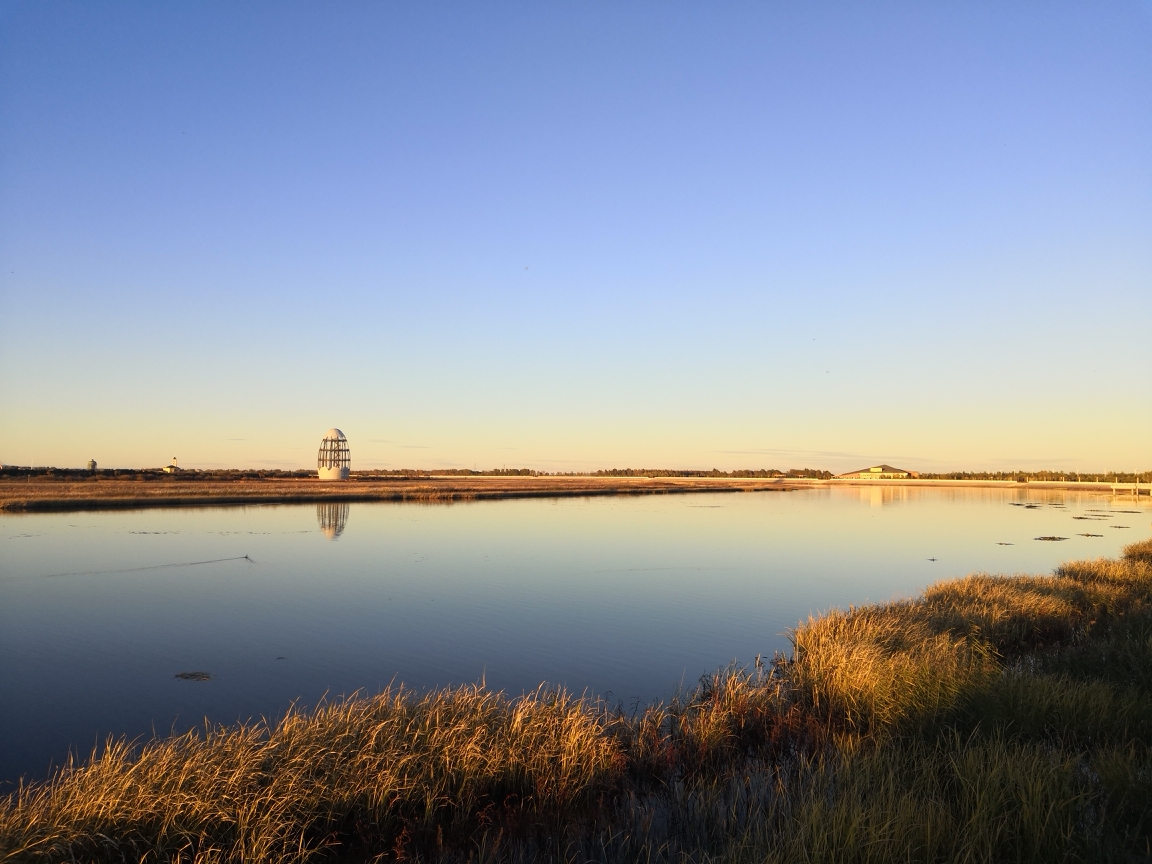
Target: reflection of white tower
332, 518
334, 458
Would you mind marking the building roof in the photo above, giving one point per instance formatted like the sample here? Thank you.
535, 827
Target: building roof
877, 469
335, 434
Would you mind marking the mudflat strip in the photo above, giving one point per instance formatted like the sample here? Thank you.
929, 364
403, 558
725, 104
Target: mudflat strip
38, 494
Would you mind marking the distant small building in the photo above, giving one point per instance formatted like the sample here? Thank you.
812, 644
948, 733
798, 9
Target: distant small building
92, 465
878, 472
173, 468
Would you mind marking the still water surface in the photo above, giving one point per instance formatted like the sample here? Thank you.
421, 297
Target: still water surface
624, 597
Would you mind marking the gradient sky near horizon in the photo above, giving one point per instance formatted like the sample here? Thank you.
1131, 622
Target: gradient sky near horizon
577, 235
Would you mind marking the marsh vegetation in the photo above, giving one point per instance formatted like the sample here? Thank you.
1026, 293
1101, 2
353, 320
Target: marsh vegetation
991, 719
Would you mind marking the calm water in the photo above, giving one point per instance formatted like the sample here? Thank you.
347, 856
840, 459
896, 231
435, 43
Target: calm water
629, 597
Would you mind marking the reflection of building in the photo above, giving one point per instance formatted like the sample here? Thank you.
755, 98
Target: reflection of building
878, 472
334, 458
332, 517
883, 494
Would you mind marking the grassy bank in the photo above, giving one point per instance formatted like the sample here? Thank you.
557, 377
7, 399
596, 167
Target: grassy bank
992, 719
154, 489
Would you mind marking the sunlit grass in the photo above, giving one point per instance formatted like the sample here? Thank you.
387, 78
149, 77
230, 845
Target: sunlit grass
992, 719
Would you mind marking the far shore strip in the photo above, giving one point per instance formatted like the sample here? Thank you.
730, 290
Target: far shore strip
35, 494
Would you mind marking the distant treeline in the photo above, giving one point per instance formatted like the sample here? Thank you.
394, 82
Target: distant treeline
609, 472
228, 474
151, 473
715, 472
451, 472
1038, 476
252, 474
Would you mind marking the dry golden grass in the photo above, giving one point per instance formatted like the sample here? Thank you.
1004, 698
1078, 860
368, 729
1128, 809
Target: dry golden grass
392, 767
880, 667
1141, 551
993, 719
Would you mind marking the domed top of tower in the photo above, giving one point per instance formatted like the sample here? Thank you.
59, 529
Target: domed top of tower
335, 434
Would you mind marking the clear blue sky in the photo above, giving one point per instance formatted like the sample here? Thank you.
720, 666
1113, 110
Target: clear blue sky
577, 235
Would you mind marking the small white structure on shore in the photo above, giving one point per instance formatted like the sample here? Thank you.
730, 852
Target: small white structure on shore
174, 468
334, 459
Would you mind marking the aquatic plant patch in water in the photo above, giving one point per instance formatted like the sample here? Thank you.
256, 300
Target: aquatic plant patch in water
193, 676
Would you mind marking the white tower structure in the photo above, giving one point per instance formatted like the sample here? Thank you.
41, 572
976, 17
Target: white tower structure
334, 458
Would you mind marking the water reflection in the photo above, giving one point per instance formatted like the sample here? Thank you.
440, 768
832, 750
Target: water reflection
878, 496
333, 518
627, 597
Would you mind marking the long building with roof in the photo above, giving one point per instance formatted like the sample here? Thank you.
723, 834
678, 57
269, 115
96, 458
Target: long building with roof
878, 472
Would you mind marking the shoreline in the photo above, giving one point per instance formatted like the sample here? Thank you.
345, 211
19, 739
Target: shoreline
57, 495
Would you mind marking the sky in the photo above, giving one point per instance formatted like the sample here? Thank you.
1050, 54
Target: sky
570, 236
